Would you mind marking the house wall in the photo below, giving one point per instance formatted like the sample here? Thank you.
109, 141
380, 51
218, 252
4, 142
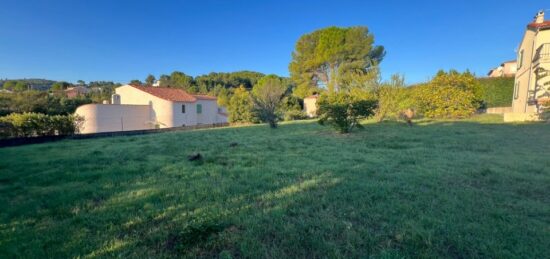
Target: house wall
525, 77
189, 118
209, 112
112, 117
162, 110
310, 106
510, 68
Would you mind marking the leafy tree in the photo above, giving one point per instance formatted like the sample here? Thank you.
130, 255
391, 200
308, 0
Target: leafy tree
266, 96
135, 82
229, 80
81, 82
9, 85
241, 106
21, 86
150, 79
344, 110
333, 57
435, 101
59, 86
181, 80
393, 99
291, 108
164, 80
465, 81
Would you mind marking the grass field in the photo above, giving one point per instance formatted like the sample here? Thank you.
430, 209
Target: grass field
475, 188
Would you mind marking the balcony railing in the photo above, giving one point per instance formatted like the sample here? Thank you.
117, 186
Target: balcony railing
542, 54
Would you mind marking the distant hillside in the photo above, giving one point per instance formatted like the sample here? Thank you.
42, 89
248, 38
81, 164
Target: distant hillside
35, 83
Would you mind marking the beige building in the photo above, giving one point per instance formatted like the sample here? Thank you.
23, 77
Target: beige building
532, 83
506, 69
310, 105
138, 107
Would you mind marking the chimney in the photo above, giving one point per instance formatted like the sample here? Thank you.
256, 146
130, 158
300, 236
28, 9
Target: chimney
539, 18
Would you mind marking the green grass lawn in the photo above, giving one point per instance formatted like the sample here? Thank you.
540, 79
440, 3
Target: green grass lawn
475, 188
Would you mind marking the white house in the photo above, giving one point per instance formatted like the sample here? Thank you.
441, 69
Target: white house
140, 107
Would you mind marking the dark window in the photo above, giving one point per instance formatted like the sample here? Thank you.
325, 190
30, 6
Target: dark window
183, 108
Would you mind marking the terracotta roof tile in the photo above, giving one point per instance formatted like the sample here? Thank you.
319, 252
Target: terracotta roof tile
542, 25
173, 94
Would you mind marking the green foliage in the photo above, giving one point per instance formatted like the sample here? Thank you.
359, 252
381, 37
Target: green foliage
18, 86
35, 84
498, 91
9, 85
247, 79
150, 79
241, 106
36, 124
59, 86
21, 86
291, 109
39, 102
332, 58
343, 110
464, 81
135, 82
393, 99
266, 96
435, 101
178, 80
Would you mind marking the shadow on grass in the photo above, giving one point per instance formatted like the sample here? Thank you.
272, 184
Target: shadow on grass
437, 189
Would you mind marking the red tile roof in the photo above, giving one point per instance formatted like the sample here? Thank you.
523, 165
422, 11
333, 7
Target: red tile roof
173, 94
542, 25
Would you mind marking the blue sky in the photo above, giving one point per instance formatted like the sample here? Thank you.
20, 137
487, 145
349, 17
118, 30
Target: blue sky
124, 40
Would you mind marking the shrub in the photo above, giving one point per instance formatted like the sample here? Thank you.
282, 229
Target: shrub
266, 96
464, 81
545, 110
497, 92
36, 124
241, 107
392, 102
291, 115
343, 110
435, 101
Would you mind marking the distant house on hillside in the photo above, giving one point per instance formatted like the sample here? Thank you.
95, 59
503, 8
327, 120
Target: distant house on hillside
506, 69
310, 105
146, 107
73, 92
532, 81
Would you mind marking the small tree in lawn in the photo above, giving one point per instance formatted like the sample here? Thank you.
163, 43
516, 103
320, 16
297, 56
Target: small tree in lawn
240, 106
344, 110
267, 95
